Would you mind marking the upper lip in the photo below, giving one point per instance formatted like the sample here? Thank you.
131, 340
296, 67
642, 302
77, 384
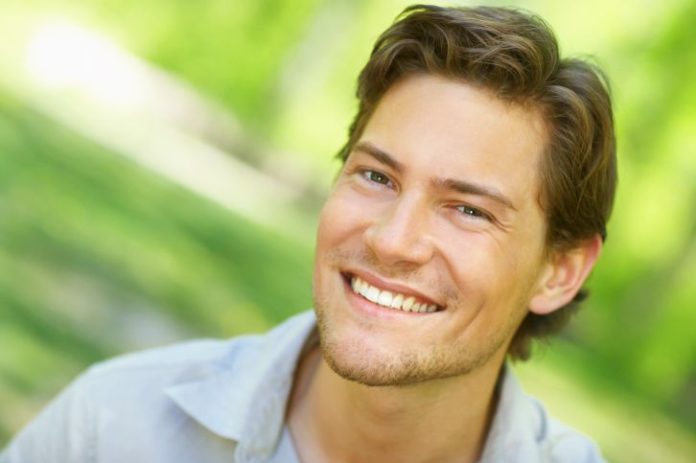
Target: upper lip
395, 287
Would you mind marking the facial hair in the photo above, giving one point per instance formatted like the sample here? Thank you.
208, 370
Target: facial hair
405, 364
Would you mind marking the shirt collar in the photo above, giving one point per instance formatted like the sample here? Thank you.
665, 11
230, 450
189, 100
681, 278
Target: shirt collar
517, 426
244, 400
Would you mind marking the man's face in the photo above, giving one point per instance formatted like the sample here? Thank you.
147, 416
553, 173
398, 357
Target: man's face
435, 222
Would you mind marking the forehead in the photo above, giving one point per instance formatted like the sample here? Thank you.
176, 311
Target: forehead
448, 128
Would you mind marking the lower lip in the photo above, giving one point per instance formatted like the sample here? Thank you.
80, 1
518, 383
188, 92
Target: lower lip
375, 310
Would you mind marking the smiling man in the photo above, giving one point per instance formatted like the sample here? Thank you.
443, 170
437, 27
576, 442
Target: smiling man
471, 206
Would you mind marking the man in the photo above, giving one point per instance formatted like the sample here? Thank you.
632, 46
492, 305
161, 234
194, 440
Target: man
476, 184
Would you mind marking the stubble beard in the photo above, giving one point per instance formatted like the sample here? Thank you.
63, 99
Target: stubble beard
408, 365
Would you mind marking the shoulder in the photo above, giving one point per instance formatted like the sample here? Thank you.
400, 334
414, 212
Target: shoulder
121, 396
169, 391
129, 376
157, 367
175, 359
137, 381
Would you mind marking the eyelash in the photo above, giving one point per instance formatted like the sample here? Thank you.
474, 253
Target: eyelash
368, 175
473, 212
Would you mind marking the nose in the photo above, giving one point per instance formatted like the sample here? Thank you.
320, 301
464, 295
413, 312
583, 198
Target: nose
400, 232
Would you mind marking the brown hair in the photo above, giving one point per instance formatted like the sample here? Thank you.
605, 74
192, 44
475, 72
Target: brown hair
515, 56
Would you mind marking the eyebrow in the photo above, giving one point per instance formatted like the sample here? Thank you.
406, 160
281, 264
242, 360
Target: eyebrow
474, 189
379, 155
459, 186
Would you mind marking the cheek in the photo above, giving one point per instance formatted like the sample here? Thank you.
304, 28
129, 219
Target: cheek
343, 217
486, 269
335, 232
330, 226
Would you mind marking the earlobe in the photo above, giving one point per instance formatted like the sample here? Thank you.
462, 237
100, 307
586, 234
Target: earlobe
564, 275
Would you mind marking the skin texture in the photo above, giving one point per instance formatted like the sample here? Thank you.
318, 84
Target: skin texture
440, 200
407, 228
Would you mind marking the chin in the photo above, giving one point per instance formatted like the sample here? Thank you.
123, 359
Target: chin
366, 362
366, 369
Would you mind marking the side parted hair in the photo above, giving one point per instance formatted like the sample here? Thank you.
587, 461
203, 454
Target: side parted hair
515, 56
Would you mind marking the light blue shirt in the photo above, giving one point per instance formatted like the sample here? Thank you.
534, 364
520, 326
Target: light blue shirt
224, 401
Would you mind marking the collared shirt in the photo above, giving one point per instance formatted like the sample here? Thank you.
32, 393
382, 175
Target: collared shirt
224, 401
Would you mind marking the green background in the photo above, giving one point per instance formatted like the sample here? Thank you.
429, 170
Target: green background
162, 163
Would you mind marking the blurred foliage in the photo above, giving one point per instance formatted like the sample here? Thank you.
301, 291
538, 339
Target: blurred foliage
99, 256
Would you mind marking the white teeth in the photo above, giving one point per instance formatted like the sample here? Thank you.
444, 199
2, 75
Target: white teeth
385, 298
389, 299
372, 294
408, 303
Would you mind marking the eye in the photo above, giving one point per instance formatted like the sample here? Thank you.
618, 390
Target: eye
376, 177
473, 212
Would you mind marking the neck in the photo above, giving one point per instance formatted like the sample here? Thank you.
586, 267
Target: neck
333, 419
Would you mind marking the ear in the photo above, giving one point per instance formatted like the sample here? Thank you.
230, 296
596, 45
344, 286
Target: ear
563, 276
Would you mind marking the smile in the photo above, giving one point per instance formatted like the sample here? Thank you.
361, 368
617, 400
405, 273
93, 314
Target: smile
390, 299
